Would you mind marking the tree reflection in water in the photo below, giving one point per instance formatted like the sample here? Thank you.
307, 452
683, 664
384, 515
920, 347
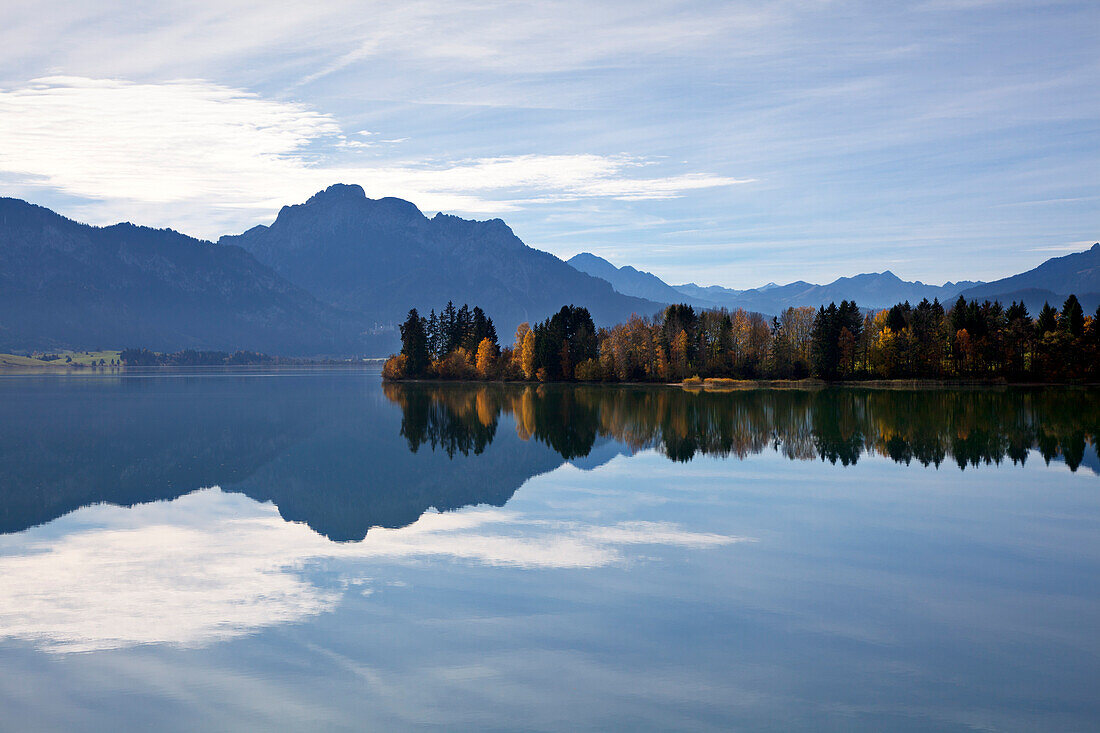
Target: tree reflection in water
931, 426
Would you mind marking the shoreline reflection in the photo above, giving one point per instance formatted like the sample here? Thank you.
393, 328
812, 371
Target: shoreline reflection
839, 425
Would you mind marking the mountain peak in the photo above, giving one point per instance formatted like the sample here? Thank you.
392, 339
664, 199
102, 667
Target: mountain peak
352, 194
582, 256
339, 192
344, 200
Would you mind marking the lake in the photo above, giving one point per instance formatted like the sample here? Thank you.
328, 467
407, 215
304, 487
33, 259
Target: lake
304, 549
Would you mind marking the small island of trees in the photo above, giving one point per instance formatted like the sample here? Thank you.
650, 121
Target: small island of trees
970, 341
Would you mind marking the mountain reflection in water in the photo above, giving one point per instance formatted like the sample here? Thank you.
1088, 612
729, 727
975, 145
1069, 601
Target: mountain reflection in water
342, 455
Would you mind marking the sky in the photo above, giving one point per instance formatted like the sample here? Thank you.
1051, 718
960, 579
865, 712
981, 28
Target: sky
723, 143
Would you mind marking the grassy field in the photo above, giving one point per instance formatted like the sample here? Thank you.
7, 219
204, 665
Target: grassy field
63, 360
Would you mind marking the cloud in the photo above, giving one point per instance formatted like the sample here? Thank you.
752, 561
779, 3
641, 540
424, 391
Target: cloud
182, 149
211, 566
320, 39
1068, 247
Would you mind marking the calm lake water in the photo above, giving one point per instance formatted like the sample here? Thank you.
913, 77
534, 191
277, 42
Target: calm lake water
313, 550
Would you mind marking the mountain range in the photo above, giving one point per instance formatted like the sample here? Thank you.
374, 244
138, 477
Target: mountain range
70, 285
1050, 282
336, 274
871, 290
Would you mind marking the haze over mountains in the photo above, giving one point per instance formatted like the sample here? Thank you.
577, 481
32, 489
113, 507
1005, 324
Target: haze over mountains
334, 275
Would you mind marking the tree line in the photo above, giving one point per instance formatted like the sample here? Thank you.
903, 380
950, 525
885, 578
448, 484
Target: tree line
192, 357
969, 340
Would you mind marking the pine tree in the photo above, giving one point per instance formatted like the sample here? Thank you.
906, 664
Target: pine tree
433, 335
414, 345
479, 328
464, 329
448, 324
491, 332
1073, 317
1048, 320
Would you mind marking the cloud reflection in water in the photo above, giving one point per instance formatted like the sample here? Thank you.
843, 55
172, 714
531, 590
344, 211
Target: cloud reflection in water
212, 565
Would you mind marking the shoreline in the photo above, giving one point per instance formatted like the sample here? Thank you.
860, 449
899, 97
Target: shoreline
751, 384
56, 370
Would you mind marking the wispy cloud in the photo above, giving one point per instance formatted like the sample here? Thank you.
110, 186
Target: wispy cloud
1068, 247
201, 148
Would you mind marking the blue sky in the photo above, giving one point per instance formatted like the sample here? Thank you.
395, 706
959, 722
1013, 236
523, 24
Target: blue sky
723, 143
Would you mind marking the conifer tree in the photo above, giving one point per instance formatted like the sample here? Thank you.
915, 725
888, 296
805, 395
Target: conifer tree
463, 329
1073, 317
432, 329
448, 323
1048, 320
414, 345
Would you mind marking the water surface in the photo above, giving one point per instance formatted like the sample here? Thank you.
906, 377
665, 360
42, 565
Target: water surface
315, 550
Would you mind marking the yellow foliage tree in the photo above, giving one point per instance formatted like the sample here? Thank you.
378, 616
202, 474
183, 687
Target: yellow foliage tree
527, 355
517, 350
884, 346
662, 363
486, 358
679, 354
456, 365
394, 368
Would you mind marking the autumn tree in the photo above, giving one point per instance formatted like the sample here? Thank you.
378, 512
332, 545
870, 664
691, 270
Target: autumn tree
394, 368
679, 355
486, 357
527, 355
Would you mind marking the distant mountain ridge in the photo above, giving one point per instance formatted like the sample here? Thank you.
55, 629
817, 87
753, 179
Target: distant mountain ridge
873, 290
66, 284
1052, 281
869, 290
630, 281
